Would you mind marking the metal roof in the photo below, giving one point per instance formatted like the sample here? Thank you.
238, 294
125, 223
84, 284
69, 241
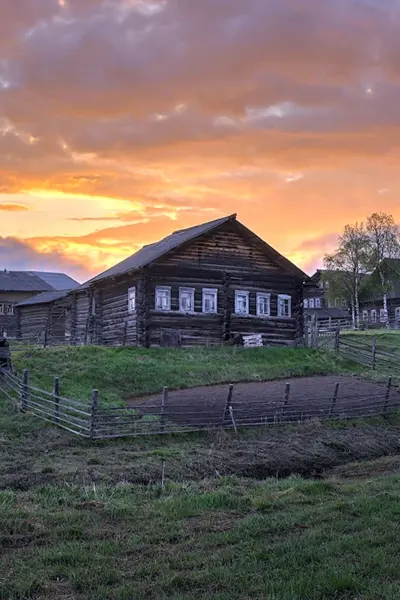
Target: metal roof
44, 298
34, 281
58, 281
152, 252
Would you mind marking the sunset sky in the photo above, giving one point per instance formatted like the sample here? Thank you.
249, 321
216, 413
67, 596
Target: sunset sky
123, 120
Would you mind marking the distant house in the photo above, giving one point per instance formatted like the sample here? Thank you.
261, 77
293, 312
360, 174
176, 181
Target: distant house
321, 303
371, 303
18, 286
45, 318
198, 286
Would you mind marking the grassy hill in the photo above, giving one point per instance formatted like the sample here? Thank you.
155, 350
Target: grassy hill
120, 373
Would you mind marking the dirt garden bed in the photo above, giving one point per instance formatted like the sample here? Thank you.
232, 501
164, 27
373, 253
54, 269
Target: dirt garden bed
262, 400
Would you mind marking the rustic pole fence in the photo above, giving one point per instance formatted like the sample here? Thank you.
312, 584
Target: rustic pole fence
387, 395
164, 402
56, 397
285, 400
227, 403
373, 363
334, 399
24, 390
93, 415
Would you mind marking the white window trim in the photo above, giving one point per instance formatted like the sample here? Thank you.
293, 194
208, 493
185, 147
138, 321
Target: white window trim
10, 314
163, 288
1, 308
317, 302
365, 315
261, 295
311, 303
246, 294
397, 312
284, 297
132, 294
305, 302
213, 291
190, 291
373, 315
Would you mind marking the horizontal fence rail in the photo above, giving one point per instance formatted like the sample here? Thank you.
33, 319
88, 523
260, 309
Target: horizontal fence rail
170, 413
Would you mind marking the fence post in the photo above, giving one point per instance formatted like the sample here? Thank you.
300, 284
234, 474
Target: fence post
164, 400
334, 398
56, 397
46, 333
93, 415
24, 390
232, 418
374, 352
285, 400
387, 395
337, 339
227, 403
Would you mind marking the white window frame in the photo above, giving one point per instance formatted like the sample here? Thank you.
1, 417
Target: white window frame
317, 302
382, 315
305, 302
373, 316
246, 295
132, 299
188, 291
397, 313
2, 309
9, 312
365, 315
263, 296
167, 289
283, 297
209, 291
311, 303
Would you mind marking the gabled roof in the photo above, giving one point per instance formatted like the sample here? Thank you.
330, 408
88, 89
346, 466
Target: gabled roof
58, 281
44, 298
326, 313
34, 281
152, 252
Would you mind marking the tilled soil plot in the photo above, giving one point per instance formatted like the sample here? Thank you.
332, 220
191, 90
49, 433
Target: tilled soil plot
267, 402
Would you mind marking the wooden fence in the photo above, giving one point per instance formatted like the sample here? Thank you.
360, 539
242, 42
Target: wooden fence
370, 353
170, 414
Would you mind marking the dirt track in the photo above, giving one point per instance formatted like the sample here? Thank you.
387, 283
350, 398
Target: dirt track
309, 396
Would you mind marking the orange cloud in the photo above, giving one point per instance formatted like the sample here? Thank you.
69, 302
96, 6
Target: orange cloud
122, 121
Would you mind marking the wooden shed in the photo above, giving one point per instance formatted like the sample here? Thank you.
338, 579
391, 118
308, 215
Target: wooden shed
204, 285
45, 318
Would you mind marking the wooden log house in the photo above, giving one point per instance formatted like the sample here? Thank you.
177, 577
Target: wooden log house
204, 285
45, 318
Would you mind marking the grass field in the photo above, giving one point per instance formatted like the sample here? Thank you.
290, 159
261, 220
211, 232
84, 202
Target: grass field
120, 373
228, 539
195, 517
387, 340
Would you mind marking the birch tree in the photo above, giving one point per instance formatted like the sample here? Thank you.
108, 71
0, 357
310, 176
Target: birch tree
383, 242
348, 262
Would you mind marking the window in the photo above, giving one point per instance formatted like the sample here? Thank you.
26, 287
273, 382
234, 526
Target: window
365, 315
317, 302
311, 303
1, 309
10, 309
305, 303
338, 302
186, 299
209, 300
327, 285
373, 315
241, 302
397, 313
382, 315
284, 306
132, 300
163, 298
263, 304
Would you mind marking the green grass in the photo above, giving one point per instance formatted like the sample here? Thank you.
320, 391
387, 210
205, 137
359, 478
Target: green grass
228, 539
120, 373
386, 340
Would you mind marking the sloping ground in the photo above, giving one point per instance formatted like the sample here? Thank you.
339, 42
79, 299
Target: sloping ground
120, 373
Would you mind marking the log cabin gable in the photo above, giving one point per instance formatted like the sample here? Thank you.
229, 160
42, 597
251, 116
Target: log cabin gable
230, 247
